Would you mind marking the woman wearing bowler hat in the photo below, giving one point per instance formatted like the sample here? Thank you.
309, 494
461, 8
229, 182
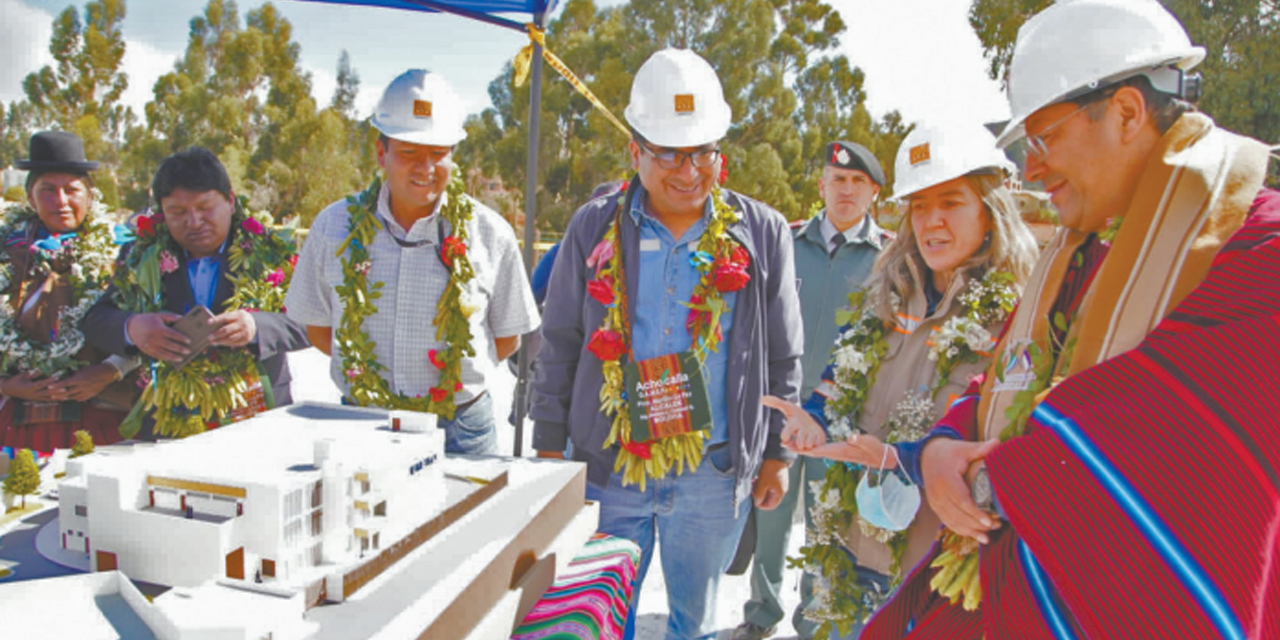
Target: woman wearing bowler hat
58, 254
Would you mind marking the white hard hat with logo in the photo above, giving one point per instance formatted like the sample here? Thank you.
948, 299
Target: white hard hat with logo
1076, 46
933, 154
677, 101
421, 108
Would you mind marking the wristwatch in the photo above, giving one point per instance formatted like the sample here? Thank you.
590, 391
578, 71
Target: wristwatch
980, 489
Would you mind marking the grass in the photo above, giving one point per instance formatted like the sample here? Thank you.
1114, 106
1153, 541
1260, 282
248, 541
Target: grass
17, 512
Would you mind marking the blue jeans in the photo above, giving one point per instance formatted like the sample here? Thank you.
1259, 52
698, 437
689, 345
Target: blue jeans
472, 429
693, 515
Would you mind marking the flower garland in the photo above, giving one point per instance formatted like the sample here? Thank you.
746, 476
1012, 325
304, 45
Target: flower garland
724, 266
366, 386
90, 254
213, 387
839, 600
964, 337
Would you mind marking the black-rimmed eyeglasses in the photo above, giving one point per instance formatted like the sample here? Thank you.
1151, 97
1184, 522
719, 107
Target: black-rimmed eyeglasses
674, 159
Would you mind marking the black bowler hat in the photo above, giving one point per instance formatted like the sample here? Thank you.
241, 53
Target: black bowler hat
851, 155
56, 151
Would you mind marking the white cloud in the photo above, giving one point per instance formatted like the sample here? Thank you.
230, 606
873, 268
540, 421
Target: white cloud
144, 64
922, 58
24, 46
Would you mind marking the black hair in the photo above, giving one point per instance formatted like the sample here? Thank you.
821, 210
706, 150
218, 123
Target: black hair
32, 176
196, 170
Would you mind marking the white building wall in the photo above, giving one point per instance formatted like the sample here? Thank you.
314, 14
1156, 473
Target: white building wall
151, 546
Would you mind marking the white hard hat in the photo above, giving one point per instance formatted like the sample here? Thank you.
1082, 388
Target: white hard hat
932, 154
1076, 46
420, 107
676, 101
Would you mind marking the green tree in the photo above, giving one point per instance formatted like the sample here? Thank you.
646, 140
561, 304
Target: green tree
15, 130
239, 91
24, 476
344, 95
1241, 67
81, 91
83, 445
760, 48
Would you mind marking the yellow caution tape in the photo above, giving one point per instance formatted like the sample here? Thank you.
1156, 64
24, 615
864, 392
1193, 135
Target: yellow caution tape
525, 58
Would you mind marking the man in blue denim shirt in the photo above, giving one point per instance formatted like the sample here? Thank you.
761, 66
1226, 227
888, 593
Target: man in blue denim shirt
677, 115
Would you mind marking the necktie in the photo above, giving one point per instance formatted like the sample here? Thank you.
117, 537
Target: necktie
838, 241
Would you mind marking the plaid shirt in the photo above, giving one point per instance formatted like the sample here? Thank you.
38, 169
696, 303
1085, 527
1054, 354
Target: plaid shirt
414, 279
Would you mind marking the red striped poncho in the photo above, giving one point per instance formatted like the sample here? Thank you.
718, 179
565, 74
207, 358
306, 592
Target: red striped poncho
1143, 500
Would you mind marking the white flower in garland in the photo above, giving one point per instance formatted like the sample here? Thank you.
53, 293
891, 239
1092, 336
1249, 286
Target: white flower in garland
91, 254
850, 359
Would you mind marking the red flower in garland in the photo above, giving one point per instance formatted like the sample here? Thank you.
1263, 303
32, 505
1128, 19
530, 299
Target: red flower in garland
452, 248
146, 226
601, 290
293, 260
253, 226
438, 394
434, 356
731, 277
639, 449
606, 345
457, 386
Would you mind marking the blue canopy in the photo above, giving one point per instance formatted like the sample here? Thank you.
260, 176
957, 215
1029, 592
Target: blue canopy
482, 10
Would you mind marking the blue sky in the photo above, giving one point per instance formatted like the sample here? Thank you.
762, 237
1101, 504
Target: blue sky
919, 56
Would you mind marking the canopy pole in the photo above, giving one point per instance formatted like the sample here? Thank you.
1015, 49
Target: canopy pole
530, 222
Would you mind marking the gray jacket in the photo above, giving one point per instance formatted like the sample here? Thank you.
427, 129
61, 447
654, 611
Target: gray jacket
764, 343
825, 282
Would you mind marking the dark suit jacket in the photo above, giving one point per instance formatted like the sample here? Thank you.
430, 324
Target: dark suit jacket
277, 335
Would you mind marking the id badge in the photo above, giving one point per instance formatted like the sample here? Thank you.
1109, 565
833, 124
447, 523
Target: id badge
667, 397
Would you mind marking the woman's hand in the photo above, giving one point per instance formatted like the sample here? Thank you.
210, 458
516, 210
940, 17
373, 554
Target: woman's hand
860, 448
801, 432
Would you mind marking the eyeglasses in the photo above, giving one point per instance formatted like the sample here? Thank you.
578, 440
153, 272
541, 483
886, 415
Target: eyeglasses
673, 159
1036, 145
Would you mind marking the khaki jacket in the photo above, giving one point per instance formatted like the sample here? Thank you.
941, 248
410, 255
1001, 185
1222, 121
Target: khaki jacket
906, 368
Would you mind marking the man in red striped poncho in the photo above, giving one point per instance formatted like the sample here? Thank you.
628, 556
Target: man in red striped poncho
1136, 493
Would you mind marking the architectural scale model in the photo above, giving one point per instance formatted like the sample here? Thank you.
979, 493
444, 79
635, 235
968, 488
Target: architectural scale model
283, 499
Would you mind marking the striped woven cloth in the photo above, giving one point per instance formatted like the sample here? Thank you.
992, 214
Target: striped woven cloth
590, 600
1144, 498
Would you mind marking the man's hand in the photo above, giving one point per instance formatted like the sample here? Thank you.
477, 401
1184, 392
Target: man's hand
771, 484
800, 432
238, 329
85, 383
556, 455
26, 386
944, 465
151, 333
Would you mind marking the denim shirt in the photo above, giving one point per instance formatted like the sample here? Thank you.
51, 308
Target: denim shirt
202, 273
667, 280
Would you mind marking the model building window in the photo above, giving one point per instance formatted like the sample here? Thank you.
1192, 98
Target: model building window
82, 511
317, 493
293, 504
317, 522
292, 532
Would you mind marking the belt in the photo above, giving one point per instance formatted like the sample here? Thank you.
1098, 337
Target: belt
460, 407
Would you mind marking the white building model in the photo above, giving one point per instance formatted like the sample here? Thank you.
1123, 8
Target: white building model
283, 499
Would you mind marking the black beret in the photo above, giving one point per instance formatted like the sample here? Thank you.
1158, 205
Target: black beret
850, 155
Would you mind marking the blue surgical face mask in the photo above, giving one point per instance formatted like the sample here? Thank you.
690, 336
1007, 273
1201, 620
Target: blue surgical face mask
890, 504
